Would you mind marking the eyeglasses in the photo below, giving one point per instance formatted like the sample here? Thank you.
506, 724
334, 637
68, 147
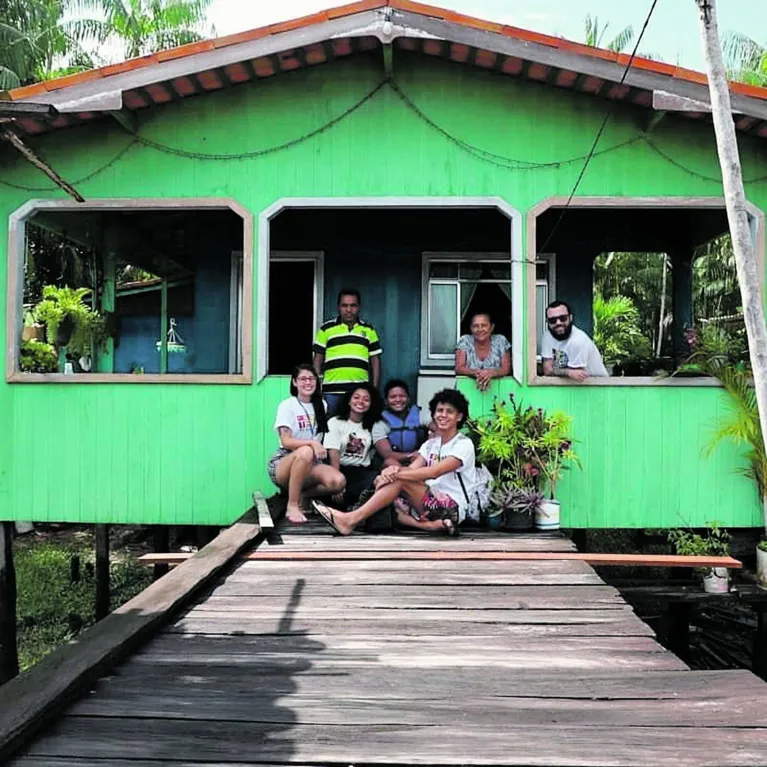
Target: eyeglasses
306, 379
558, 319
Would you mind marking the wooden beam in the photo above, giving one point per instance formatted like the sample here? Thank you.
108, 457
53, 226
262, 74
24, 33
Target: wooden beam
26, 109
40, 164
102, 571
654, 120
31, 700
264, 517
634, 560
126, 119
9, 659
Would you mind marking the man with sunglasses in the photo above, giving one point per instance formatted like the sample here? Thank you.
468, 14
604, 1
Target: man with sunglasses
566, 350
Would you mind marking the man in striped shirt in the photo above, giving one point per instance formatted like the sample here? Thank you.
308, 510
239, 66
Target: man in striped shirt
347, 351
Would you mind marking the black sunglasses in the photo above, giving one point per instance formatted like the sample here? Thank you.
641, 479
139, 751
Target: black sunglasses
559, 318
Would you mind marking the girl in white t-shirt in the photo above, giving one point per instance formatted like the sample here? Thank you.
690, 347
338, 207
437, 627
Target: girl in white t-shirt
298, 464
437, 484
354, 435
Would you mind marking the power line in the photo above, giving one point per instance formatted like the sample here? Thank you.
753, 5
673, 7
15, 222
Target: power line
602, 127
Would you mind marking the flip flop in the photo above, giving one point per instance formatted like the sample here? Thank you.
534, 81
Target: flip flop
327, 514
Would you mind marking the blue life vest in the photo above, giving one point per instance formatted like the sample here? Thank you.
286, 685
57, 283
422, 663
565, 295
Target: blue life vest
407, 434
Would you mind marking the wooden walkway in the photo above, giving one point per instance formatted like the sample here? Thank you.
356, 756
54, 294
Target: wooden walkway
410, 662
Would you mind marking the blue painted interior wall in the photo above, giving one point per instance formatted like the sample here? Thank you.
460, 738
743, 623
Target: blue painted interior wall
206, 334
390, 284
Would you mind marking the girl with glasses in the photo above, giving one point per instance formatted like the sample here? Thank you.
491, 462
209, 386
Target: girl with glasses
298, 465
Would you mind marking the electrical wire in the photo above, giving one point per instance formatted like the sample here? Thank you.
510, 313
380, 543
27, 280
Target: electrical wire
601, 130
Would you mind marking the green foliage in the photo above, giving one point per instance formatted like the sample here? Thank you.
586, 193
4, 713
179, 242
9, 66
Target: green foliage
38, 357
508, 497
762, 545
140, 26
617, 331
67, 304
51, 610
746, 60
594, 35
714, 543
522, 446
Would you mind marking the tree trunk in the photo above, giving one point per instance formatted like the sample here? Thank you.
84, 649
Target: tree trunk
662, 306
9, 659
735, 201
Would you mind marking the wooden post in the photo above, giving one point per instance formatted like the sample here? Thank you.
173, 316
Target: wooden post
161, 546
735, 202
675, 628
102, 571
9, 658
759, 655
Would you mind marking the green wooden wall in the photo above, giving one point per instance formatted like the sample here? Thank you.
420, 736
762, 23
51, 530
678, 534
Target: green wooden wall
192, 454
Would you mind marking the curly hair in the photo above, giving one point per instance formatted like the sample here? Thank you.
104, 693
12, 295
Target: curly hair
454, 398
374, 413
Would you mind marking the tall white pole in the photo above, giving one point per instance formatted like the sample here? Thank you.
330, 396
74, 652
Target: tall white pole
735, 201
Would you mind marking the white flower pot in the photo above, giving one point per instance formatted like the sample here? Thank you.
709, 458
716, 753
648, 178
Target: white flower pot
716, 580
761, 568
547, 515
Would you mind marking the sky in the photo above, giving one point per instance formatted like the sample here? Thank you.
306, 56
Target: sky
672, 34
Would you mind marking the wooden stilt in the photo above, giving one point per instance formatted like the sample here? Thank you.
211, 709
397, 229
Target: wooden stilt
675, 628
161, 545
9, 658
102, 571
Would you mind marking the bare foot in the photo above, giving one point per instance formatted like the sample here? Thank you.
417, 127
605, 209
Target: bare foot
295, 515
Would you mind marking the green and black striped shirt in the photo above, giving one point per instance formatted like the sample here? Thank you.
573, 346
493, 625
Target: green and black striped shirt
347, 354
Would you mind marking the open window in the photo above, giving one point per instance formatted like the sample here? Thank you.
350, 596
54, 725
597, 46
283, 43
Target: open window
640, 276
136, 291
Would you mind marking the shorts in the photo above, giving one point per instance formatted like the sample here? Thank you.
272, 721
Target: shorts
277, 456
437, 505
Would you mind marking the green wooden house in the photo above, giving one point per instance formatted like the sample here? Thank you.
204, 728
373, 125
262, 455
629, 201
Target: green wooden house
220, 194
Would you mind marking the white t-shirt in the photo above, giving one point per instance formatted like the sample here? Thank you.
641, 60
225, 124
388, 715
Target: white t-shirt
353, 442
577, 351
299, 418
462, 448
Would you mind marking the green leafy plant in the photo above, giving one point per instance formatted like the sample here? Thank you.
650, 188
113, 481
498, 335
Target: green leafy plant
715, 542
64, 309
523, 446
38, 357
617, 331
762, 545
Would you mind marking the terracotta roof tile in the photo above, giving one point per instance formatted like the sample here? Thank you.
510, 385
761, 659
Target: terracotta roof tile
515, 33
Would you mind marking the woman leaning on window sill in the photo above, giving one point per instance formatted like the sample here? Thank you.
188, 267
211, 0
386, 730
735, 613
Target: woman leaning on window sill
481, 354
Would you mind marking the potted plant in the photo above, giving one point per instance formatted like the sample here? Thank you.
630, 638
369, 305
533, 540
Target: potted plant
714, 543
69, 321
740, 425
38, 357
517, 505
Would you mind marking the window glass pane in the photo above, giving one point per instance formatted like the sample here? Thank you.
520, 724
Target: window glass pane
443, 270
471, 271
542, 272
498, 271
443, 318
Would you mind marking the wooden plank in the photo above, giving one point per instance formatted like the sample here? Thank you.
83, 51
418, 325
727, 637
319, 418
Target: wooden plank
731, 710
405, 597
426, 683
251, 625
422, 618
634, 560
436, 744
9, 660
265, 521
544, 653
33, 698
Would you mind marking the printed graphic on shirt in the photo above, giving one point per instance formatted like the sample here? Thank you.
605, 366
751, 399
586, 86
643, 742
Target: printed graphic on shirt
355, 446
561, 360
305, 421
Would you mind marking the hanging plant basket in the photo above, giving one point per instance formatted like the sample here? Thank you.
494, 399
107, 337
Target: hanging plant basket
175, 343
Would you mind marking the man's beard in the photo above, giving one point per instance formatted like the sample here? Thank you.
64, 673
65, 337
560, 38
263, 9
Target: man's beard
564, 336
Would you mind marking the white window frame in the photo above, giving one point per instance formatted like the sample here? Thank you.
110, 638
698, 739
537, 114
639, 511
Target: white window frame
316, 257
427, 259
550, 283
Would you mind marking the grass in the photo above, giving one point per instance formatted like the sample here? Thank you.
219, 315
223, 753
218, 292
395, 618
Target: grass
51, 609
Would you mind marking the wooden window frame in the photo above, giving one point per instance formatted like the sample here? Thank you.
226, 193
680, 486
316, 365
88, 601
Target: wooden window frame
15, 290
757, 223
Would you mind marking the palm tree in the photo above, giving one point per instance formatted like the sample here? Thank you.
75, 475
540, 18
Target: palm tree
595, 35
746, 60
140, 26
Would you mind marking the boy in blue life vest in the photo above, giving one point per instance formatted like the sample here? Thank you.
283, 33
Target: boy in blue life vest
409, 425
